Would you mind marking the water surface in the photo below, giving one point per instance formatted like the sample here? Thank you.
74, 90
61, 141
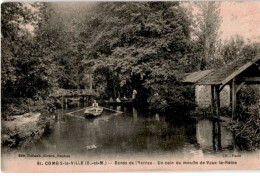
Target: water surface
131, 134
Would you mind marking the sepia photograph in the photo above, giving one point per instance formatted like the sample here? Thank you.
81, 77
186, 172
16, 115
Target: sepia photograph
109, 86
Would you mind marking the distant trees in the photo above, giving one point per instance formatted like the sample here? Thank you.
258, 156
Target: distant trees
55, 44
206, 25
237, 48
232, 48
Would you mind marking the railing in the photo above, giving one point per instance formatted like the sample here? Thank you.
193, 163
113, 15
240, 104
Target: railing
73, 92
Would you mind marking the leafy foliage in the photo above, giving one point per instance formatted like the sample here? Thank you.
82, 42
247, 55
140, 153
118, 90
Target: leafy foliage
247, 127
146, 46
236, 48
146, 39
25, 73
248, 102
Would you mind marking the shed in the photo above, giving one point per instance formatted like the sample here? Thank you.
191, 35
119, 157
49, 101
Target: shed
202, 92
235, 75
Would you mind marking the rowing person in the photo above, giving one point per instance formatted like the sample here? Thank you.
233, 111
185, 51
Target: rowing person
95, 104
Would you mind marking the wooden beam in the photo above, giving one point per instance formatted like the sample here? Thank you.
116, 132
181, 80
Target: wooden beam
234, 98
239, 86
62, 102
235, 73
66, 103
222, 87
217, 101
251, 79
212, 100
214, 136
230, 94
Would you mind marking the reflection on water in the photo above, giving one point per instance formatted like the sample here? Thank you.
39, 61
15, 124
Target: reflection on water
213, 137
132, 133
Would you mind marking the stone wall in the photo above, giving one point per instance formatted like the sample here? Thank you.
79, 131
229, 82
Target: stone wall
203, 96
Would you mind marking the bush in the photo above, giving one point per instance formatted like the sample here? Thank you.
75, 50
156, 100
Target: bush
247, 134
247, 126
14, 106
18, 106
180, 99
157, 102
248, 102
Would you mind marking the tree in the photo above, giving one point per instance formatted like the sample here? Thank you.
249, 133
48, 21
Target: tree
207, 23
25, 73
61, 46
145, 40
231, 49
14, 16
237, 48
131, 45
16, 46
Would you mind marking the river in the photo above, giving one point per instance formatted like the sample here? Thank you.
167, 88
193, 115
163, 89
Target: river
132, 134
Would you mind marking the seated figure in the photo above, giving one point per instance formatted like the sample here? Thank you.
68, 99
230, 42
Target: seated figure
95, 104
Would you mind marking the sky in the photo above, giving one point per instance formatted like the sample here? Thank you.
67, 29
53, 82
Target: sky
242, 18
239, 18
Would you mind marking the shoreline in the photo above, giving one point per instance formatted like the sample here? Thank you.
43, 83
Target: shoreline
23, 128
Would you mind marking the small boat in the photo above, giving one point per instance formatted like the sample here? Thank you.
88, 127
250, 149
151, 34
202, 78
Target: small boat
93, 111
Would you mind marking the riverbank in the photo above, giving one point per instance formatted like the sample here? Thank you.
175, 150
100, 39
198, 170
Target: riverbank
247, 133
21, 129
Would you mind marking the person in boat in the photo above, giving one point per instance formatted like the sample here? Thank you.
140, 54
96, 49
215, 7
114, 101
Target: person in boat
95, 104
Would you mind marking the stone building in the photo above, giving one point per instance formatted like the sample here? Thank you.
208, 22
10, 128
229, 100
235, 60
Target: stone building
203, 92
203, 96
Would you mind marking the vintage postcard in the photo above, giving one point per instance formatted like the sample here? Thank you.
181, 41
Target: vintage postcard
130, 86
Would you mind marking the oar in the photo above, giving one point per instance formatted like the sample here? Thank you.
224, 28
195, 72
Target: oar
112, 110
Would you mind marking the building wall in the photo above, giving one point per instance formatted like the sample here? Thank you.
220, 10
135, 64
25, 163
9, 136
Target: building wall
203, 96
